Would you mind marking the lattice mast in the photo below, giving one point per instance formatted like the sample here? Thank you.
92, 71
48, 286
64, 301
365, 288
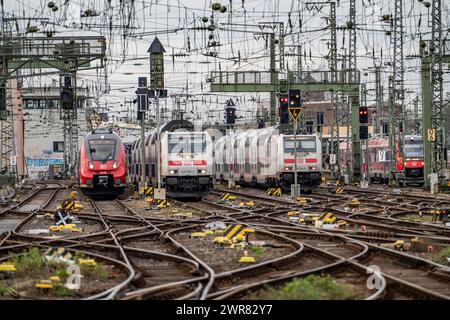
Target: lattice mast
437, 88
396, 93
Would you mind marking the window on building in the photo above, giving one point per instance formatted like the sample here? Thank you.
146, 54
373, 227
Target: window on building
58, 146
386, 128
320, 118
309, 127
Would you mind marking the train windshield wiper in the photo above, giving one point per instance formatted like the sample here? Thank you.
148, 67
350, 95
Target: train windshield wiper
106, 159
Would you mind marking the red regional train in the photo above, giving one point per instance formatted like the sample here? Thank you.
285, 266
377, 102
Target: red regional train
409, 172
102, 166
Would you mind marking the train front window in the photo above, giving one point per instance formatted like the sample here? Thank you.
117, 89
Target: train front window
302, 146
413, 151
186, 144
413, 148
102, 150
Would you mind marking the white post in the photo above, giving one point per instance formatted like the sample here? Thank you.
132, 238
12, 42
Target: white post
295, 189
158, 142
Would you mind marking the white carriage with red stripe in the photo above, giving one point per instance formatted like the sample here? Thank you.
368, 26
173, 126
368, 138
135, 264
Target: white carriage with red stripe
186, 160
266, 158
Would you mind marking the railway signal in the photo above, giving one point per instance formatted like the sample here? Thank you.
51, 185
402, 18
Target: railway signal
363, 115
142, 107
230, 113
364, 121
67, 99
295, 104
284, 106
142, 95
261, 123
363, 132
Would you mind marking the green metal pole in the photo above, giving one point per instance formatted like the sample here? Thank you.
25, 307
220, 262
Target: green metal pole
356, 143
426, 118
273, 80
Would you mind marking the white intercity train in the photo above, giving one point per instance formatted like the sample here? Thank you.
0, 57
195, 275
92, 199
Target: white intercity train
263, 157
186, 160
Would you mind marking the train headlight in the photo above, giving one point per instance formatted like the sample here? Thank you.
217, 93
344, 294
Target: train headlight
91, 165
172, 171
313, 168
287, 169
115, 164
203, 171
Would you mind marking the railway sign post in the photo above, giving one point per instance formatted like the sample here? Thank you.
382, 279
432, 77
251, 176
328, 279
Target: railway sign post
332, 158
295, 109
431, 135
156, 51
381, 155
142, 103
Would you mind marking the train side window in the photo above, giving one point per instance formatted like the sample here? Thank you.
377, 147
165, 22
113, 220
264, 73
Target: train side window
147, 169
153, 170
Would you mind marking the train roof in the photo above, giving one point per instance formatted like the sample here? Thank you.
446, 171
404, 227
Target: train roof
107, 133
173, 125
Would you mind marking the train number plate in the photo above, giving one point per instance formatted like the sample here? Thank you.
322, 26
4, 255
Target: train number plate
187, 170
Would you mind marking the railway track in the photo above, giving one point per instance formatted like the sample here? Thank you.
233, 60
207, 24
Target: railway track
429, 275
158, 259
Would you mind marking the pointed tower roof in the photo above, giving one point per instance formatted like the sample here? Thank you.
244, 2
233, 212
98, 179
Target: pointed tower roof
156, 47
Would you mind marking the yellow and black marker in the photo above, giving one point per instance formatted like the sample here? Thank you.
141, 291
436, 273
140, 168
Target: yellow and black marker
68, 204
327, 218
162, 203
227, 197
337, 190
273, 192
148, 191
237, 232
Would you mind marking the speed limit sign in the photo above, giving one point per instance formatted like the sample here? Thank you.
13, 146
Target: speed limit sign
332, 158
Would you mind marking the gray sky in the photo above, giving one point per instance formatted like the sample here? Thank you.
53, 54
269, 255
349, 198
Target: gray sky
133, 29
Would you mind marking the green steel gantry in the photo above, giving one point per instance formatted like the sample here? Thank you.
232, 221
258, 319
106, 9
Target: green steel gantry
67, 55
433, 113
347, 81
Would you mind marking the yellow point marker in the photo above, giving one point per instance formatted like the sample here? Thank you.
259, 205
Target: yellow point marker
198, 234
87, 262
7, 267
54, 279
44, 284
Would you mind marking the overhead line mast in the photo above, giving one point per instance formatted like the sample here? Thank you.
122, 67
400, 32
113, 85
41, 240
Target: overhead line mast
396, 96
437, 88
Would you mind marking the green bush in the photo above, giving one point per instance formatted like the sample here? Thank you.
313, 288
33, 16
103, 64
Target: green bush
443, 255
3, 289
61, 291
311, 287
30, 263
98, 271
258, 250
62, 274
